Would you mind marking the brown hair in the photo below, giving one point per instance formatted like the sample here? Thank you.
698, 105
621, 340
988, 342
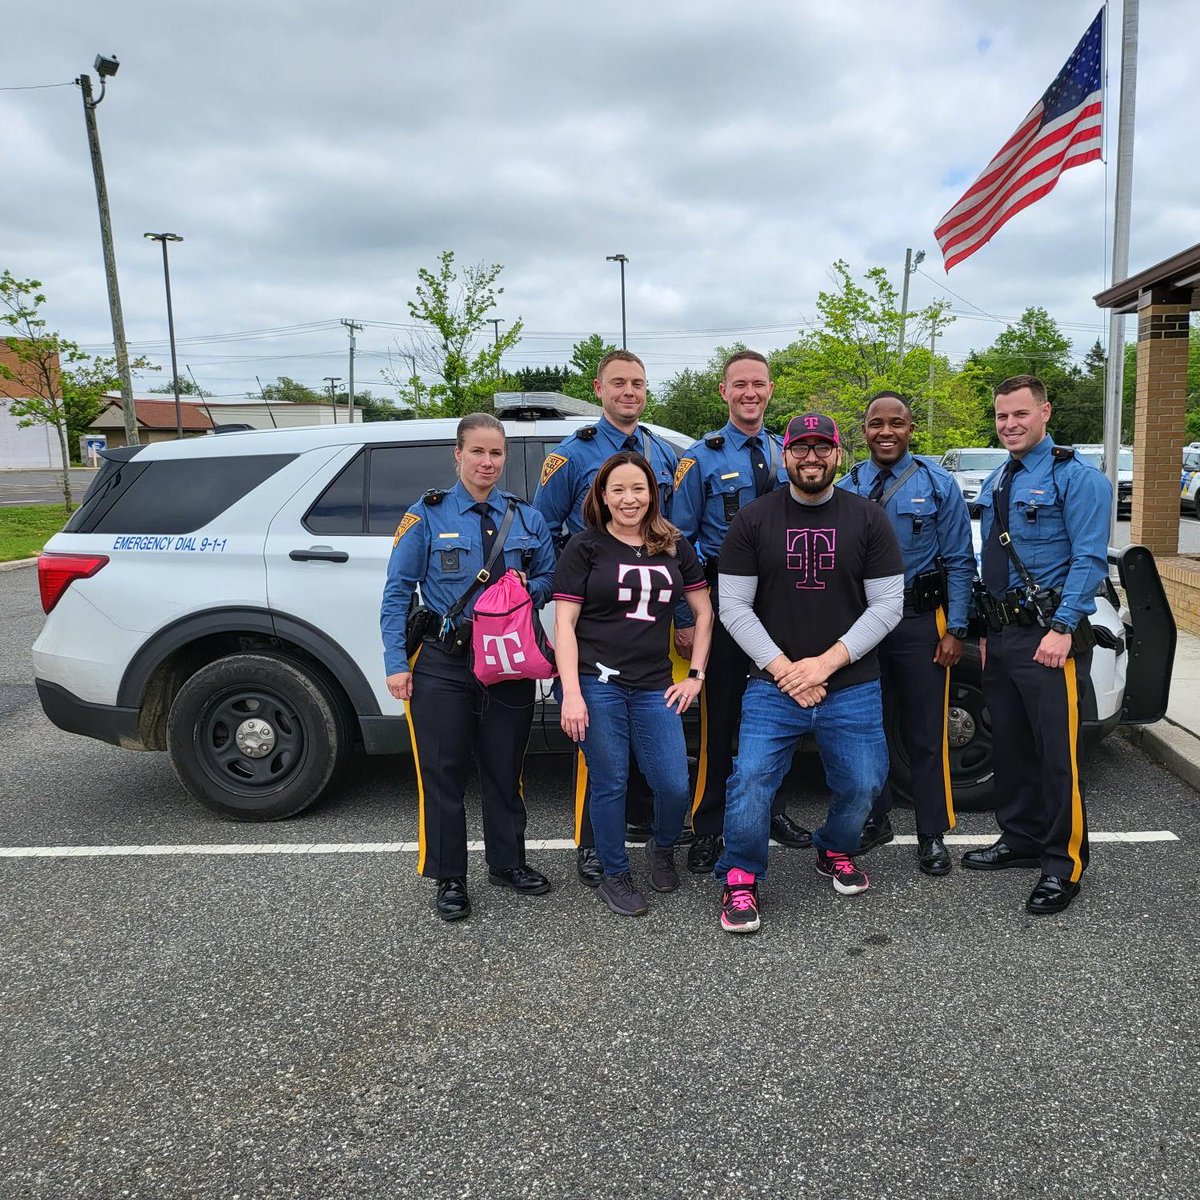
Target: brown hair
617, 356
475, 421
657, 532
1014, 383
743, 356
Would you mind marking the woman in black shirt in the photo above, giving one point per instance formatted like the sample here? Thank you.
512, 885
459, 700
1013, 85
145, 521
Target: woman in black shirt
615, 589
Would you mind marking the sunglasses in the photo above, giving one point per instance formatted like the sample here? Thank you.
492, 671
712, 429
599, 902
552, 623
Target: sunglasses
816, 449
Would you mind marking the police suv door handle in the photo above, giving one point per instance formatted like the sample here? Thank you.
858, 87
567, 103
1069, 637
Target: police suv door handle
318, 554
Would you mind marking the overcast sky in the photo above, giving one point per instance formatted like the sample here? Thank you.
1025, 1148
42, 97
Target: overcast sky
313, 156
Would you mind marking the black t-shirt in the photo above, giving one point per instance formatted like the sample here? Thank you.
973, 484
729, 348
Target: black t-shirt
628, 597
811, 562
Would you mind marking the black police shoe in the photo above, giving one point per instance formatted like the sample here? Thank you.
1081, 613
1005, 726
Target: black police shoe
877, 831
997, 857
703, 853
521, 879
932, 855
636, 831
452, 902
786, 832
1052, 895
587, 863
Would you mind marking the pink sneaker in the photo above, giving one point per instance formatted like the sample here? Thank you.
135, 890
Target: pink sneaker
739, 903
848, 877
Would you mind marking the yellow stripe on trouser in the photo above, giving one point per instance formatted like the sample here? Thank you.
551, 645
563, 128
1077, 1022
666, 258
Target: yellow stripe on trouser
412, 734
581, 778
951, 821
1076, 839
702, 760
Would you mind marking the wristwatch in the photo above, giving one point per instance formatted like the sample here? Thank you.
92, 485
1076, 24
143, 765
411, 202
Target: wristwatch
958, 631
696, 674
1061, 627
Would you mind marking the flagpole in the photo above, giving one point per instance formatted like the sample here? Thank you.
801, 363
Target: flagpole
1115, 375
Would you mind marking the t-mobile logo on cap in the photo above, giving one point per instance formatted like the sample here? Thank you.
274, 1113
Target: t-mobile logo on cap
495, 649
646, 590
811, 422
811, 552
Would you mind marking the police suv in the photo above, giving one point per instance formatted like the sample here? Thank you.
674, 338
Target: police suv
218, 598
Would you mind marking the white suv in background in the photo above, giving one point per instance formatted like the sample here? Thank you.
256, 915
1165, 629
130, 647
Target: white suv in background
1189, 481
970, 468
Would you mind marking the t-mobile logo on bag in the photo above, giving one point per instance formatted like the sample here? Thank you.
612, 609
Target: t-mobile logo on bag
811, 552
496, 650
646, 590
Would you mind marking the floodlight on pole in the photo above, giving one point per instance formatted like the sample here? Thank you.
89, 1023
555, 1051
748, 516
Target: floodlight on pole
622, 259
164, 238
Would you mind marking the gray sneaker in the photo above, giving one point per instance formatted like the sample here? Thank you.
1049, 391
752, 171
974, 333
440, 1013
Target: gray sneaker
663, 876
620, 894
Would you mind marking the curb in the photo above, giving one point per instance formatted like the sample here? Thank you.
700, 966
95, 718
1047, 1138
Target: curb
17, 564
1170, 745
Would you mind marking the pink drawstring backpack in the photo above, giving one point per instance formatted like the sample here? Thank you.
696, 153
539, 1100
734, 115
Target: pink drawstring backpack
507, 639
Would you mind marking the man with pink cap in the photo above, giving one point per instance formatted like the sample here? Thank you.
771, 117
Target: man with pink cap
811, 581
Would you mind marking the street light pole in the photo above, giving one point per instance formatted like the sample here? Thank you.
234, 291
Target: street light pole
910, 265
332, 380
622, 259
164, 238
105, 67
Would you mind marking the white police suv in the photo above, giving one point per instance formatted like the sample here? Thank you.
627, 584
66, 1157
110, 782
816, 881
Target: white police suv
218, 598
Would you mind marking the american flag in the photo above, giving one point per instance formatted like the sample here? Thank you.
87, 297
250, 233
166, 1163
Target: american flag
1063, 129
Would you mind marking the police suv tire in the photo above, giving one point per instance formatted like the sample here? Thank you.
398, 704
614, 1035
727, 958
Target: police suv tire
972, 763
256, 737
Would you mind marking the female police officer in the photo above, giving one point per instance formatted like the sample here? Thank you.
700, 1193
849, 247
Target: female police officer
442, 544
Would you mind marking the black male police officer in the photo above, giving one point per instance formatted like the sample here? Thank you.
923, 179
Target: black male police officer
567, 474
1045, 519
931, 522
722, 473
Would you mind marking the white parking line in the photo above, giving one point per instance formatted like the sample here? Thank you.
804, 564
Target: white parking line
958, 839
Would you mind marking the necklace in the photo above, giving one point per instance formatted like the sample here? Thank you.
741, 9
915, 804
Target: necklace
637, 550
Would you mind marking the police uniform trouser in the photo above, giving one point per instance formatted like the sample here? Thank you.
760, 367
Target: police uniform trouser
916, 696
1035, 713
725, 680
455, 722
639, 801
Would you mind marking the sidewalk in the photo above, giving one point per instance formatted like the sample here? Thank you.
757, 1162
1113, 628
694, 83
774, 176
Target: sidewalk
1175, 741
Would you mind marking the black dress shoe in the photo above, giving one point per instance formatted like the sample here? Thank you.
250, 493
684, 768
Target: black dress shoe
996, 857
1052, 895
635, 831
521, 879
452, 903
703, 853
877, 831
786, 832
932, 855
587, 863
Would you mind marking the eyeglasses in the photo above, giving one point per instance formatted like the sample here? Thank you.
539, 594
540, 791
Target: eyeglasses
804, 449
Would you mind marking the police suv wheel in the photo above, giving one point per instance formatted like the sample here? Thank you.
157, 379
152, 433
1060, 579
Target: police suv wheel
257, 738
969, 735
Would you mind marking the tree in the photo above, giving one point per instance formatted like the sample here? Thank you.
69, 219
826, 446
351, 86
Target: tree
451, 312
691, 401
186, 388
585, 359
288, 391
64, 384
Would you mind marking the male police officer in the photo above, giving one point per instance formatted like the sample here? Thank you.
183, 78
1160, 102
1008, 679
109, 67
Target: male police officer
567, 474
717, 476
1044, 523
930, 519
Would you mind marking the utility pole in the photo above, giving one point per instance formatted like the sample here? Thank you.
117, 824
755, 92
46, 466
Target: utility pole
495, 323
332, 380
351, 327
105, 67
164, 238
911, 263
932, 338
622, 259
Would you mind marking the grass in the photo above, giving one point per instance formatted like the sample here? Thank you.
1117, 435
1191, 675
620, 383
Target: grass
25, 528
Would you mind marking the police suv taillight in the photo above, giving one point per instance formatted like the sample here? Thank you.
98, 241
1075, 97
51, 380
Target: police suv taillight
57, 571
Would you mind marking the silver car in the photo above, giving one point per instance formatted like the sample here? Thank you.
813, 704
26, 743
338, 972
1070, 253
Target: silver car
970, 467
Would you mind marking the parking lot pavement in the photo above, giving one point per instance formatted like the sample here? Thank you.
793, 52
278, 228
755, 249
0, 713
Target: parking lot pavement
303, 1026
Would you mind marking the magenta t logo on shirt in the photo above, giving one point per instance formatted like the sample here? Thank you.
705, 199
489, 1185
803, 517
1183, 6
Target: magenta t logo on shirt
645, 589
812, 553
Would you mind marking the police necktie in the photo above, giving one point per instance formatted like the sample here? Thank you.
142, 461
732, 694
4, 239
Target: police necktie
487, 530
881, 482
758, 465
995, 557
631, 444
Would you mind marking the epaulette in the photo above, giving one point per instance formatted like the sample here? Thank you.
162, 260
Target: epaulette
714, 441
586, 433
434, 496
1062, 453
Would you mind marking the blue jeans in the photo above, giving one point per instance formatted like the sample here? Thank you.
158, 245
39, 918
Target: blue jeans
619, 716
848, 725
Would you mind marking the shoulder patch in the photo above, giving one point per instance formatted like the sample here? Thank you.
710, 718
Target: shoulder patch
410, 519
553, 463
685, 465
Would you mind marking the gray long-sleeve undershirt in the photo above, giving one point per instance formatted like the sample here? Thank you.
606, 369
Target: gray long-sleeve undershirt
885, 608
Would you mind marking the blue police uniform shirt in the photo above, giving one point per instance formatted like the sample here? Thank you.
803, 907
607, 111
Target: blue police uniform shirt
712, 485
569, 470
931, 521
440, 547
1058, 520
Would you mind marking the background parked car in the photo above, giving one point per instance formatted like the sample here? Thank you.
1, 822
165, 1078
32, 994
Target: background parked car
1189, 482
970, 468
1094, 456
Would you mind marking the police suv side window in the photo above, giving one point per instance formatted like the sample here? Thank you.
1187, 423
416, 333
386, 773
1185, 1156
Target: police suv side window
397, 477
339, 508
